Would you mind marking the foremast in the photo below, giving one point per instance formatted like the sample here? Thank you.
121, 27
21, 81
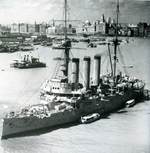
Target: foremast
67, 45
116, 45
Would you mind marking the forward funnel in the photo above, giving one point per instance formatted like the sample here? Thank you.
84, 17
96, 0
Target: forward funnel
75, 70
86, 69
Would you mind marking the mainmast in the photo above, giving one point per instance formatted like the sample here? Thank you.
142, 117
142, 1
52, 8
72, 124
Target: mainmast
116, 43
65, 8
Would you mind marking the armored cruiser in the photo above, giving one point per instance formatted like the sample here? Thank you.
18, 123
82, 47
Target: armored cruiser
68, 101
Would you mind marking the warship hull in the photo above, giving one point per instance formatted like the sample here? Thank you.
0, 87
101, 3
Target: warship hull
17, 126
13, 127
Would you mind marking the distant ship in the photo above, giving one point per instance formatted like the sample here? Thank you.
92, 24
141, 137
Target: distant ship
28, 62
26, 47
66, 101
8, 48
59, 44
46, 43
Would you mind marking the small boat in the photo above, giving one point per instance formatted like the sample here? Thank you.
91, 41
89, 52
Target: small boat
46, 43
85, 40
92, 45
26, 47
8, 48
57, 45
36, 43
61, 44
4, 49
74, 40
102, 43
130, 103
127, 66
90, 118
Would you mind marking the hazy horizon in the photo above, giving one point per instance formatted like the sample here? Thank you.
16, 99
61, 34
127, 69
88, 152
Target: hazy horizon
30, 11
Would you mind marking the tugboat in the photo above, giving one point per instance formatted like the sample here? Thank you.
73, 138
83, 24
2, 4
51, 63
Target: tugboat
27, 62
65, 101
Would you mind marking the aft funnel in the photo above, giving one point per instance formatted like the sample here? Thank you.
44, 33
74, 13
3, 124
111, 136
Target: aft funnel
97, 69
86, 69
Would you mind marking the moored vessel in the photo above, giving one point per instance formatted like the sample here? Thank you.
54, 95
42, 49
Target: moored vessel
130, 103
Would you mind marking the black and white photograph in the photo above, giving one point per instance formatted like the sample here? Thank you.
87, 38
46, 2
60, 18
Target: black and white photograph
75, 76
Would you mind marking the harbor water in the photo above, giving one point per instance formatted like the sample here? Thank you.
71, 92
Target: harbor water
125, 131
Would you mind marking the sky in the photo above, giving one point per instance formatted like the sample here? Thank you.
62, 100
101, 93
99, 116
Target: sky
29, 11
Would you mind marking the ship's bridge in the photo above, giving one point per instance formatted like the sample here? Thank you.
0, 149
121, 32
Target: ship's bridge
61, 88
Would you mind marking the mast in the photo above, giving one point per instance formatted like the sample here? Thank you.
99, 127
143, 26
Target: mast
67, 46
65, 7
116, 43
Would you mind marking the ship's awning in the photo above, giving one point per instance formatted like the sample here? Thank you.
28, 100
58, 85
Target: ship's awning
55, 80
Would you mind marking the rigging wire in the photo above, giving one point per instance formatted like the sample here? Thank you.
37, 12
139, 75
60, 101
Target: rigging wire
105, 60
110, 58
107, 66
122, 60
57, 67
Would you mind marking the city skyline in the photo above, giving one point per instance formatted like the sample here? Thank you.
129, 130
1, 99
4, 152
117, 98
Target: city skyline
30, 11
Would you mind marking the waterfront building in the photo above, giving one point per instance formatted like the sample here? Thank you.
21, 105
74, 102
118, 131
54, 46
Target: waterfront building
60, 29
14, 28
71, 29
42, 29
148, 31
88, 29
123, 29
79, 29
37, 28
112, 30
4, 30
134, 30
23, 28
100, 26
108, 20
103, 18
19, 28
51, 30
31, 28
142, 29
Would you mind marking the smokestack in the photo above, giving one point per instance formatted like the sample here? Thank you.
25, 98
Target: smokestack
97, 67
75, 70
86, 69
